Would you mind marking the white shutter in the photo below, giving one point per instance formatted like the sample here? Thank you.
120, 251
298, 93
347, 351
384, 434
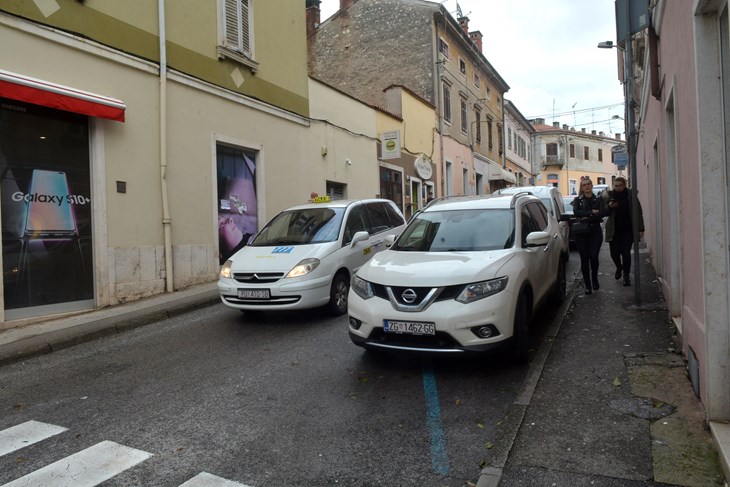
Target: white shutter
245, 28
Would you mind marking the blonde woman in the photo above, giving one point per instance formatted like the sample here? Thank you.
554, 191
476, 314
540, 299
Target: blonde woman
588, 211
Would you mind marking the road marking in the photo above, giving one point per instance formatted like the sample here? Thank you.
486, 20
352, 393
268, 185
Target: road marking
205, 479
26, 434
86, 468
439, 460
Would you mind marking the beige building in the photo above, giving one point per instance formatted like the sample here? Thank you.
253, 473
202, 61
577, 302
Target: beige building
140, 147
562, 155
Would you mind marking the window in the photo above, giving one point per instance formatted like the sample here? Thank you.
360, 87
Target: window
462, 66
551, 149
477, 81
600, 155
572, 151
478, 118
489, 93
500, 137
586, 153
336, 191
443, 48
464, 181
489, 132
464, 121
509, 137
237, 35
447, 103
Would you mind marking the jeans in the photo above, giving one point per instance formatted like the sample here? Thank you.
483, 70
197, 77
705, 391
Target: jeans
588, 245
620, 247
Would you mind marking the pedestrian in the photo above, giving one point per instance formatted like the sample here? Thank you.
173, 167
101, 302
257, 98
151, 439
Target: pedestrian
588, 211
620, 228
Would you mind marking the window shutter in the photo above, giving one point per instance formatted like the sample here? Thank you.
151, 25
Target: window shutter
245, 28
238, 27
232, 29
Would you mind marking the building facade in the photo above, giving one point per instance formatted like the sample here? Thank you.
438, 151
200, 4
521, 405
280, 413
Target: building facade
561, 156
682, 95
518, 151
419, 46
143, 142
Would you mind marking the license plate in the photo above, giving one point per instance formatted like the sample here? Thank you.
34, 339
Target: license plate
410, 327
254, 293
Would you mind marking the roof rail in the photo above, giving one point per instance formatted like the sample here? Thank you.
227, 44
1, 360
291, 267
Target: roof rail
443, 198
518, 195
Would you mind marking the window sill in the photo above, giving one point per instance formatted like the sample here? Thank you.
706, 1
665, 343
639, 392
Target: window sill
225, 53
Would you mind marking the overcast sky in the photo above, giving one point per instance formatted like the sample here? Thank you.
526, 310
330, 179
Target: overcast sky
546, 52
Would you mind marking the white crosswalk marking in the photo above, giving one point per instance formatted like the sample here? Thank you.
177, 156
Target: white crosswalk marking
86, 468
205, 479
26, 434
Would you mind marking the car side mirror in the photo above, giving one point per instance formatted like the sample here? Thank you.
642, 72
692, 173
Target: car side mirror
389, 239
360, 236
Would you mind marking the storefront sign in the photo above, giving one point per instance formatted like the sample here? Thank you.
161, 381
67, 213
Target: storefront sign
390, 146
422, 165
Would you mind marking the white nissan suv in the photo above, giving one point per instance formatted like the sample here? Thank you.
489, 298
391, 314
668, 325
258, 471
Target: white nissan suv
465, 276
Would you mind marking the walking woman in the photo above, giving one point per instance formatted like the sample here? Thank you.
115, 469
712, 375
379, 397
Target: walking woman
588, 211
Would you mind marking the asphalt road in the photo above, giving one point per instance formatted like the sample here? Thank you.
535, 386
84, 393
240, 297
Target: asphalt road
262, 400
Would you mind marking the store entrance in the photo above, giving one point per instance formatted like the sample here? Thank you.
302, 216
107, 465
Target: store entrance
46, 210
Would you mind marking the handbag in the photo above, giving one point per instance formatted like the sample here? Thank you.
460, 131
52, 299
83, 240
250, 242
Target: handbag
581, 227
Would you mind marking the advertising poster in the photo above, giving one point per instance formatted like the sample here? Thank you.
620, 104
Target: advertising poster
46, 206
237, 209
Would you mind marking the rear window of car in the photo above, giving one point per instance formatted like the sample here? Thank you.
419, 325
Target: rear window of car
458, 230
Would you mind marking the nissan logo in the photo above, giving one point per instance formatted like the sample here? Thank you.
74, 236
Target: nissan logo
409, 296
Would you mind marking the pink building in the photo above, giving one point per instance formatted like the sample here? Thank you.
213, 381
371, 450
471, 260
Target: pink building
682, 94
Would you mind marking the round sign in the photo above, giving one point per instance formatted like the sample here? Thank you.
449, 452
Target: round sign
422, 165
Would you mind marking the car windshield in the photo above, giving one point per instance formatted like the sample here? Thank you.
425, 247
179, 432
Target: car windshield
300, 227
458, 230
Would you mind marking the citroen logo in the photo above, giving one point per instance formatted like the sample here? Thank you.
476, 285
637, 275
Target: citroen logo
409, 296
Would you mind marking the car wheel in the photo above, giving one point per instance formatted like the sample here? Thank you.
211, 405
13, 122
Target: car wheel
338, 295
521, 344
560, 285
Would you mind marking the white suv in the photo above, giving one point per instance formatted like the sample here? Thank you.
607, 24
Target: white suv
465, 275
306, 255
553, 200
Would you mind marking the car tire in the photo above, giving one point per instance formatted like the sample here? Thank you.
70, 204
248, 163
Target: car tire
558, 294
521, 333
338, 295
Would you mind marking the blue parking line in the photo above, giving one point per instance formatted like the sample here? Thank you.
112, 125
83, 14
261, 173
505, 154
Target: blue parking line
439, 460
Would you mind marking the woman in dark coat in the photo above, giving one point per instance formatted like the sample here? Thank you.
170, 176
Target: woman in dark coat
588, 211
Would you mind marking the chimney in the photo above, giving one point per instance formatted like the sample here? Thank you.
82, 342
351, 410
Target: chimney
583, 130
476, 38
345, 4
618, 136
601, 133
593, 132
464, 23
565, 126
556, 125
540, 121
312, 16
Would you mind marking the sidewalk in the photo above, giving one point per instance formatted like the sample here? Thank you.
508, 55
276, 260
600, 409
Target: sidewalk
48, 336
607, 401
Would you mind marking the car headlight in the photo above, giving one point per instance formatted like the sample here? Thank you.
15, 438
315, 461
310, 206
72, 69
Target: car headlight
480, 290
226, 269
362, 288
304, 267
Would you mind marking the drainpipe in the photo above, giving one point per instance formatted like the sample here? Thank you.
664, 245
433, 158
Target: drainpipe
166, 220
439, 93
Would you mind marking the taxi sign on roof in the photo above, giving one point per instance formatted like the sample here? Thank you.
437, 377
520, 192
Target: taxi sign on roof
321, 199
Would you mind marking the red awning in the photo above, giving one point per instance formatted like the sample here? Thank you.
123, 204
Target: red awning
39, 92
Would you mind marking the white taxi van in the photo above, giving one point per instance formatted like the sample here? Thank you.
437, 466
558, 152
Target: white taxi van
306, 255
